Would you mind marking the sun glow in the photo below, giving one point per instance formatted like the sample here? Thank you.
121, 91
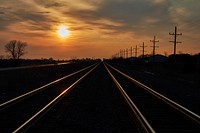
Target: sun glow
63, 31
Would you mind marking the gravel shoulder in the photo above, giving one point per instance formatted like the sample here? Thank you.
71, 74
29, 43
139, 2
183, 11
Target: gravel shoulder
16, 82
180, 92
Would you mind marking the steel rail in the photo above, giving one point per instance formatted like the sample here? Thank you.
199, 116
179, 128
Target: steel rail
32, 66
170, 102
145, 124
50, 105
30, 93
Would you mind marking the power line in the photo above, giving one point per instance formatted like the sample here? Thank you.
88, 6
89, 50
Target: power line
175, 34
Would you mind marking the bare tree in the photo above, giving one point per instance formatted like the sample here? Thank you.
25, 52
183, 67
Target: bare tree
15, 49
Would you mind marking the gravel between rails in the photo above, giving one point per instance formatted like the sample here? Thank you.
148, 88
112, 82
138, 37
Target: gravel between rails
95, 105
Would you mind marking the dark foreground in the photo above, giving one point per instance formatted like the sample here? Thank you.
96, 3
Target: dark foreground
95, 105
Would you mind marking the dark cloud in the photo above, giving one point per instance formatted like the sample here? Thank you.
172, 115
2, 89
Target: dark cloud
4, 17
28, 19
131, 14
25, 14
50, 3
82, 28
44, 12
137, 16
36, 21
186, 14
54, 4
4, 7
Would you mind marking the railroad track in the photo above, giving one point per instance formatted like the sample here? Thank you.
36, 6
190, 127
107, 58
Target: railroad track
40, 112
97, 107
156, 112
19, 113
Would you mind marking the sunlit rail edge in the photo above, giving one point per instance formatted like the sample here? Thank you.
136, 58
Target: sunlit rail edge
18, 98
50, 105
175, 105
145, 124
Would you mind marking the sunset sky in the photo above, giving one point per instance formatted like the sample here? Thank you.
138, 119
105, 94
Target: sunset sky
98, 28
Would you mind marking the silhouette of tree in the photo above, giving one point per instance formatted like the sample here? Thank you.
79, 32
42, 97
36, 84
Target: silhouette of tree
15, 49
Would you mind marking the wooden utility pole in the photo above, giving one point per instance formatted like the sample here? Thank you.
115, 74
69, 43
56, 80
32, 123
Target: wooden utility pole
131, 52
154, 45
143, 46
136, 51
120, 53
116, 55
175, 34
126, 53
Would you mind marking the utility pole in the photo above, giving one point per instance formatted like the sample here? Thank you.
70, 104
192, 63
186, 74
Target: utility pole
143, 46
131, 52
126, 53
154, 45
120, 53
136, 51
115, 55
175, 34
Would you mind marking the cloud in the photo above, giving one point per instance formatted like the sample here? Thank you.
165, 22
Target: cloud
159, 1
94, 20
31, 21
131, 15
137, 16
185, 14
44, 12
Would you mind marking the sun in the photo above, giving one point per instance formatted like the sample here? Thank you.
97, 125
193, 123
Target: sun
63, 31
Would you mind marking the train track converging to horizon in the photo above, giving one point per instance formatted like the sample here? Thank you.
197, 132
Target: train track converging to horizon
13, 112
162, 114
97, 98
